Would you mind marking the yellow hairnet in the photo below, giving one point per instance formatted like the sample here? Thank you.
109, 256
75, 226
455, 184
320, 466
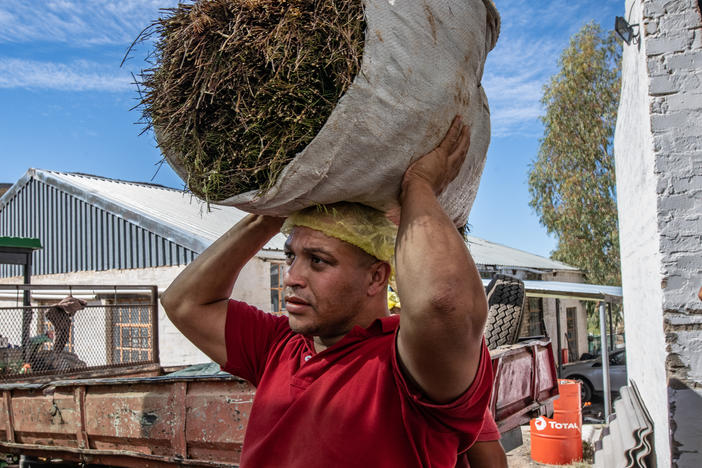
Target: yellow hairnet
393, 300
359, 225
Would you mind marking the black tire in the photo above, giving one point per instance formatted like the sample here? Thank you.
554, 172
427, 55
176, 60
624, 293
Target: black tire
586, 391
506, 297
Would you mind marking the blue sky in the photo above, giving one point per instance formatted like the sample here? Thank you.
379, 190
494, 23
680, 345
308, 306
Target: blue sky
67, 105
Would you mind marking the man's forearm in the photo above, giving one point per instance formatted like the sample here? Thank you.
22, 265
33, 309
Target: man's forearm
443, 301
433, 263
211, 276
488, 454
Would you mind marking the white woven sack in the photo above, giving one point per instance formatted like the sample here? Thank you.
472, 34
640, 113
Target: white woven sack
422, 64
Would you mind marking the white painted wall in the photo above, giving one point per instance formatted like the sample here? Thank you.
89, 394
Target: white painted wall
11, 321
641, 276
582, 329
658, 148
90, 350
674, 58
552, 325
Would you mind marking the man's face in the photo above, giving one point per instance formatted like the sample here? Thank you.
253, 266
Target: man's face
325, 283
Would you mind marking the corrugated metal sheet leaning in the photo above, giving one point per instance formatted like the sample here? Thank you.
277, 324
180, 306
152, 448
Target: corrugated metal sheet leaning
628, 442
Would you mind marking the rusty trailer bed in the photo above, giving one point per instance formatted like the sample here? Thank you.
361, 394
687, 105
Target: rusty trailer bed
201, 420
144, 422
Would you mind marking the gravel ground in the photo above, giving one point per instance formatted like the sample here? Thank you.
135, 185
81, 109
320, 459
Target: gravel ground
520, 457
593, 417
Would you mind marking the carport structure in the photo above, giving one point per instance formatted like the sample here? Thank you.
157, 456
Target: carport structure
604, 296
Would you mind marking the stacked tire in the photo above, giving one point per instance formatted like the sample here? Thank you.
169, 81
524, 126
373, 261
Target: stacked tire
506, 299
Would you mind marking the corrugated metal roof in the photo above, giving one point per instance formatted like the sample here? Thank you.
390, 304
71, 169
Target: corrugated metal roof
485, 252
581, 291
82, 231
176, 215
174, 210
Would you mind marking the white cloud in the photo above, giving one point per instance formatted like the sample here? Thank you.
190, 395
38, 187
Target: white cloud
5, 17
521, 88
514, 103
71, 27
526, 56
514, 80
77, 22
75, 76
516, 121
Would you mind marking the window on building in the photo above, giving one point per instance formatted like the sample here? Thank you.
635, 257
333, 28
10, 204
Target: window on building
131, 331
572, 333
536, 316
277, 290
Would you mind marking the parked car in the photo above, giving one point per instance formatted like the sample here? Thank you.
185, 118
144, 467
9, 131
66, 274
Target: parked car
589, 372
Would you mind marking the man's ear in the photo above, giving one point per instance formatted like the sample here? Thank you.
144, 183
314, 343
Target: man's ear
379, 276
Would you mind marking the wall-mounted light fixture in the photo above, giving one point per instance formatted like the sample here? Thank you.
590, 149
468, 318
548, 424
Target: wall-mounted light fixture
626, 30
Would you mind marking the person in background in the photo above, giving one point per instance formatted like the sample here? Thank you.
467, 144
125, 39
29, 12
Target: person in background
61, 315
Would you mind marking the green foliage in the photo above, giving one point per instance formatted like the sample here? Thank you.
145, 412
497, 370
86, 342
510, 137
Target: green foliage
593, 318
13, 366
572, 181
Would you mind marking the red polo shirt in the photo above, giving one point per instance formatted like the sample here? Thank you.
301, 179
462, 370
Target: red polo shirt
347, 406
488, 433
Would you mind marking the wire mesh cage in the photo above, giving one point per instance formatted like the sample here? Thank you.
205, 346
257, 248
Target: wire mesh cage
59, 330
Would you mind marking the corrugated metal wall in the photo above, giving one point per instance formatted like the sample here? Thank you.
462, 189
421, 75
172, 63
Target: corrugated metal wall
78, 236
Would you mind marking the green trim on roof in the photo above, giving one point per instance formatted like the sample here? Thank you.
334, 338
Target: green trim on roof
21, 242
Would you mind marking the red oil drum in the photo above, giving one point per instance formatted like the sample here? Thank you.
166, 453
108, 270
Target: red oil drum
568, 406
558, 441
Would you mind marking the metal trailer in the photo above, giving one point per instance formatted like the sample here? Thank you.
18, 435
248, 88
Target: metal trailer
201, 420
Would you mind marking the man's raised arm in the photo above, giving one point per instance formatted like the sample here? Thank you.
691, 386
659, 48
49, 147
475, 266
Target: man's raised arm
196, 301
443, 301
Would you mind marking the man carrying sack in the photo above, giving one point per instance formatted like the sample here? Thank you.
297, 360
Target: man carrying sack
60, 315
340, 382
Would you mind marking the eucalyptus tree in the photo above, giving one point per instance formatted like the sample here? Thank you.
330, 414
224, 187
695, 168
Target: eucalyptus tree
572, 180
